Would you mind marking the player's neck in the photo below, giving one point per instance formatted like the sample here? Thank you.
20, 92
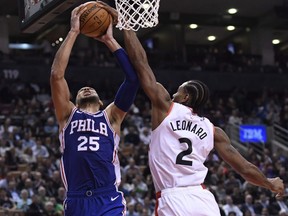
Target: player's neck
90, 108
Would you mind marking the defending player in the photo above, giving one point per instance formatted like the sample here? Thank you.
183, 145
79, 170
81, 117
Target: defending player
89, 136
181, 141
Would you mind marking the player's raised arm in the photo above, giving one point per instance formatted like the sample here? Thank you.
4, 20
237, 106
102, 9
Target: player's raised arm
59, 87
154, 90
246, 169
128, 89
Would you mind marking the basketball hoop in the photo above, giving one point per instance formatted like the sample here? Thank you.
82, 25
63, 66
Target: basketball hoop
135, 14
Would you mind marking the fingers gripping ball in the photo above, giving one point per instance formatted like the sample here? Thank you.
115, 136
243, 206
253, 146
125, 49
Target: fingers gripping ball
94, 21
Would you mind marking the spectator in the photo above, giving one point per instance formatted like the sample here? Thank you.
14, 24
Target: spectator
279, 205
43, 97
58, 207
283, 174
145, 135
149, 205
28, 185
132, 168
6, 128
36, 208
51, 128
131, 210
231, 207
283, 213
12, 191
248, 205
237, 196
232, 182
38, 181
21, 181
132, 137
61, 195
265, 212
12, 159
28, 141
40, 150
49, 209
27, 157
5, 201
141, 187
25, 201
54, 183
262, 205
235, 119
42, 195
141, 154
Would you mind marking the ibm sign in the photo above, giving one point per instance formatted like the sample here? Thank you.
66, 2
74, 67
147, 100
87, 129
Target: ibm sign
253, 133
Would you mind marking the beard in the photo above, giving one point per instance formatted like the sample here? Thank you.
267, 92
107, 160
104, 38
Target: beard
83, 102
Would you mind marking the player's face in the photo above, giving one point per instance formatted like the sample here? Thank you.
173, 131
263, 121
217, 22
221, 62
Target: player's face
87, 95
86, 91
179, 96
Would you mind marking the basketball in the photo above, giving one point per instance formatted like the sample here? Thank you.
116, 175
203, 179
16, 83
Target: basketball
94, 21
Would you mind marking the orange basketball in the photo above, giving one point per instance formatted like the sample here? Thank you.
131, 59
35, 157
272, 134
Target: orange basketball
94, 21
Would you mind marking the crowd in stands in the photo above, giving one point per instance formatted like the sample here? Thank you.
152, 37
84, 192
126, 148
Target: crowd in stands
30, 181
197, 58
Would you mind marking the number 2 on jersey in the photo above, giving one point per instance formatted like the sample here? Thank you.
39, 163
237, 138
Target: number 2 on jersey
179, 159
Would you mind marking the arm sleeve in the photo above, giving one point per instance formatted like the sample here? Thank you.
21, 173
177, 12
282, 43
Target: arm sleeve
128, 89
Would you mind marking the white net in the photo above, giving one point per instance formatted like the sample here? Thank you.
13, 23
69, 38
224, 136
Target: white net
135, 14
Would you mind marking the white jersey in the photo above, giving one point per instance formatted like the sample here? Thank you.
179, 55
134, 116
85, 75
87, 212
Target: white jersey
179, 147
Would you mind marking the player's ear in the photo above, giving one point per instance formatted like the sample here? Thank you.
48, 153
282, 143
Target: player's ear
76, 103
101, 103
186, 97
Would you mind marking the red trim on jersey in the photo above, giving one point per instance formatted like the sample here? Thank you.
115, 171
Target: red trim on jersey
114, 155
62, 132
203, 186
170, 108
158, 195
63, 176
69, 119
108, 122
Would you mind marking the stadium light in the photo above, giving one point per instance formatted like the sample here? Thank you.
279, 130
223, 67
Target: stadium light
193, 26
232, 11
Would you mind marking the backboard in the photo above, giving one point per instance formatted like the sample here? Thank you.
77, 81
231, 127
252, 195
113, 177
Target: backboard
35, 14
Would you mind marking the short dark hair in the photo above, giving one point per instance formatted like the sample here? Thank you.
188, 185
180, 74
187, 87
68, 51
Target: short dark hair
198, 94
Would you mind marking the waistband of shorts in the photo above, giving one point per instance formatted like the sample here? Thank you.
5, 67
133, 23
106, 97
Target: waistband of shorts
178, 189
91, 192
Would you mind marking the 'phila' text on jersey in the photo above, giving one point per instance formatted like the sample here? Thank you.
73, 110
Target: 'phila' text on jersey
188, 126
88, 125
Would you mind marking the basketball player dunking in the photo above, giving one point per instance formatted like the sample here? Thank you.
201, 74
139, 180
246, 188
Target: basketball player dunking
89, 136
181, 141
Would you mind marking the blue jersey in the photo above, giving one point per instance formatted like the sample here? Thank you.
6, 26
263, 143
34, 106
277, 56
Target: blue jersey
89, 152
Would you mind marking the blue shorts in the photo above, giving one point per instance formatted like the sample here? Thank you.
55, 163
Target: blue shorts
99, 202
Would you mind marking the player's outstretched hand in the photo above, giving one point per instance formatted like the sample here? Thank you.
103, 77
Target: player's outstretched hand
107, 36
75, 17
110, 9
277, 186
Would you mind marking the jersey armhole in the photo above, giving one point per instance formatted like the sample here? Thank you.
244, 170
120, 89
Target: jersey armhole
110, 126
69, 119
170, 108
